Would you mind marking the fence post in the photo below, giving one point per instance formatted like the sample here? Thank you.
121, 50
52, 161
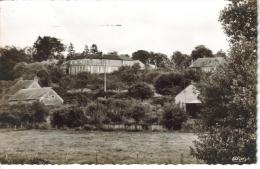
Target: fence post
96, 158
181, 159
137, 161
6, 156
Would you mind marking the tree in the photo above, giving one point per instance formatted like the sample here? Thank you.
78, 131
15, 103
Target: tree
96, 112
181, 61
74, 117
57, 119
231, 125
85, 51
159, 59
220, 53
201, 52
173, 116
239, 19
20, 69
137, 112
39, 112
43, 76
142, 56
9, 57
71, 52
141, 91
94, 49
47, 48
170, 83
129, 74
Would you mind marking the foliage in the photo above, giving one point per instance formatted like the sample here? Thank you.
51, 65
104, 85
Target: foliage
26, 115
239, 19
48, 74
221, 53
47, 48
181, 61
39, 112
201, 52
137, 112
71, 52
192, 75
85, 51
158, 59
9, 57
94, 49
231, 125
173, 116
68, 116
170, 83
141, 55
140, 91
149, 76
128, 74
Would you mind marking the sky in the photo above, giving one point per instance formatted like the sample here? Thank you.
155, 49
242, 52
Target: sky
124, 26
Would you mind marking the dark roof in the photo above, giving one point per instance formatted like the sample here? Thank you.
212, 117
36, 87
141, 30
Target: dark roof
20, 84
107, 56
30, 94
208, 62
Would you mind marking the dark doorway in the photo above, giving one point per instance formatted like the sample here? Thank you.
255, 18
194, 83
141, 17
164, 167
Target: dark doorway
193, 109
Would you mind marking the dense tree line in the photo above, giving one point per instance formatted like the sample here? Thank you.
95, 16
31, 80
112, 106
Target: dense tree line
21, 115
117, 111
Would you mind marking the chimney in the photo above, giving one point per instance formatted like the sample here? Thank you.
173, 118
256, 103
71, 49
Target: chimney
35, 78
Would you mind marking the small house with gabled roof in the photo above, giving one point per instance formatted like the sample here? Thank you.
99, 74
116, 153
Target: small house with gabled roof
45, 95
28, 91
188, 100
207, 64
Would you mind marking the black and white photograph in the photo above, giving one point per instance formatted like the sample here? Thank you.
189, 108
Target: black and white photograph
128, 82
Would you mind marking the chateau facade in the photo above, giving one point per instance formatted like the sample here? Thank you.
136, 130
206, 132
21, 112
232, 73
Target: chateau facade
98, 64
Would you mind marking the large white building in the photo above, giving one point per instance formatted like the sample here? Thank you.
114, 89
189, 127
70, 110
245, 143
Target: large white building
99, 64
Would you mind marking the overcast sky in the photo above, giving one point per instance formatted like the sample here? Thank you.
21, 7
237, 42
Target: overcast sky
159, 26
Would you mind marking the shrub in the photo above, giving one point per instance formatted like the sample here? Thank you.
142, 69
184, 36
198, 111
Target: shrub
96, 113
170, 83
74, 117
140, 91
69, 116
173, 117
137, 112
57, 119
150, 76
39, 112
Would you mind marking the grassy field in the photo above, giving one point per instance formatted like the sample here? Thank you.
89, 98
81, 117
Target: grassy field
68, 147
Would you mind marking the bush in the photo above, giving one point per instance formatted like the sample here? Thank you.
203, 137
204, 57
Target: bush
170, 83
95, 113
57, 119
27, 115
74, 117
70, 117
173, 117
140, 91
150, 76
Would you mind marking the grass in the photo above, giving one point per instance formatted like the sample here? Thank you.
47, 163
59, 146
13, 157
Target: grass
69, 147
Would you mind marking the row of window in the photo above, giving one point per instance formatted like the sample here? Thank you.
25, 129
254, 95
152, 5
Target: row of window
92, 69
96, 61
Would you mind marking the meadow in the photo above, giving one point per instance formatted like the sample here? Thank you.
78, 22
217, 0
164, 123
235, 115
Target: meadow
97, 147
